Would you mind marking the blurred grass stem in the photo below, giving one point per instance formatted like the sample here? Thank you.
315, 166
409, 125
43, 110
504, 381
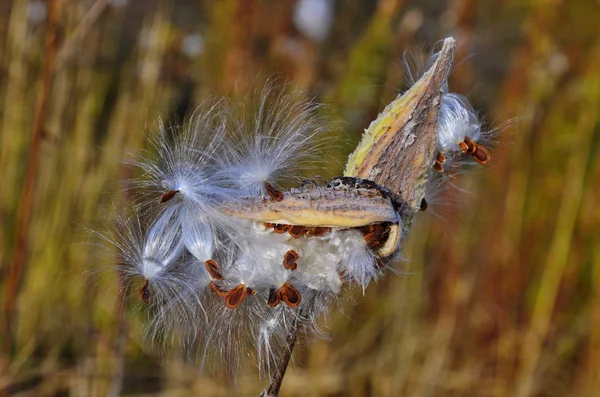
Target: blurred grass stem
25, 210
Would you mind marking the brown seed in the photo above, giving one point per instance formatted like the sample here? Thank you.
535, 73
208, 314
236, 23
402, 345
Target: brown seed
213, 269
268, 225
236, 296
273, 192
481, 155
463, 147
297, 231
144, 293
290, 295
319, 231
289, 260
250, 291
423, 205
281, 228
440, 158
217, 290
376, 235
167, 196
274, 299
471, 145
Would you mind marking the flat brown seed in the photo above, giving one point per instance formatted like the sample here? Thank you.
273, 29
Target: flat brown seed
144, 293
281, 228
213, 269
290, 295
297, 231
471, 145
273, 192
236, 296
250, 291
438, 167
463, 147
274, 299
268, 225
289, 260
440, 158
377, 235
167, 196
320, 231
217, 290
481, 155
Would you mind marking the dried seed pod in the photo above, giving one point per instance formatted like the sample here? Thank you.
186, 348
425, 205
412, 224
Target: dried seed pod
273, 192
289, 260
391, 245
398, 148
167, 196
144, 293
335, 205
236, 296
213, 269
290, 295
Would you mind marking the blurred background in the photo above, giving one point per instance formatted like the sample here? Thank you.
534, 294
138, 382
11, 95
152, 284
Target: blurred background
500, 295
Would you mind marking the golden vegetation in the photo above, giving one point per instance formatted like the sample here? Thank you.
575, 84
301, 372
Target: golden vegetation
500, 298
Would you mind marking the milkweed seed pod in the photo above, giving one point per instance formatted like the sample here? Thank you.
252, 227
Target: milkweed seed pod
234, 251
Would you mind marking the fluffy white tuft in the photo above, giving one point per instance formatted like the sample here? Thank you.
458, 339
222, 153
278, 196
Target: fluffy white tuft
223, 283
456, 121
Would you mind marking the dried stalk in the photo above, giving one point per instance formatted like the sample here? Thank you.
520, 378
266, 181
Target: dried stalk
26, 203
281, 367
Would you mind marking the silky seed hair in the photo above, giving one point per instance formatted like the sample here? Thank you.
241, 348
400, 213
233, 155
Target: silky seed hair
231, 250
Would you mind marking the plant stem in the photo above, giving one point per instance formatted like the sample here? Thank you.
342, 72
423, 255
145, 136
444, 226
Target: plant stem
26, 204
284, 360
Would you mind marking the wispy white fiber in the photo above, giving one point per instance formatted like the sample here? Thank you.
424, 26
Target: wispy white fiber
233, 286
456, 121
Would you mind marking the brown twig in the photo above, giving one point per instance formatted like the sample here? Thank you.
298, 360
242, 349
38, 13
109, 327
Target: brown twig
281, 367
26, 203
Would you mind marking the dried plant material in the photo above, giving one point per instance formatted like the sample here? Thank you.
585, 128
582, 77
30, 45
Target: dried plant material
273, 192
213, 269
274, 298
297, 231
290, 295
144, 293
481, 155
325, 206
167, 196
229, 209
289, 260
398, 148
236, 296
